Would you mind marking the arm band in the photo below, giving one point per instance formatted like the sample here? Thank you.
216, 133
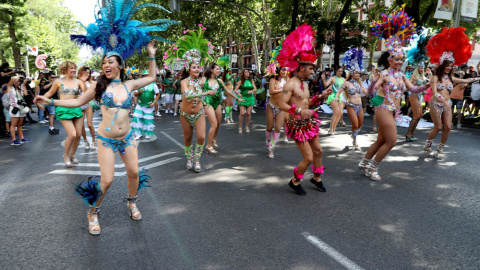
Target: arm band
151, 58
51, 102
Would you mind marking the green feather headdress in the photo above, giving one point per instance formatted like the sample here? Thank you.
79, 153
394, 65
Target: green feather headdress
224, 61
190, 48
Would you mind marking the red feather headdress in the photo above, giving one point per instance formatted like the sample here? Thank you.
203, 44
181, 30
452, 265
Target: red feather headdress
451, 44
298, 48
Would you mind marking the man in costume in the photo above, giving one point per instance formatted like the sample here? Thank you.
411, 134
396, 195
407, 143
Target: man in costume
299, 57
143, 116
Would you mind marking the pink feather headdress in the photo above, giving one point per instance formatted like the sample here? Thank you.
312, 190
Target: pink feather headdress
298, 48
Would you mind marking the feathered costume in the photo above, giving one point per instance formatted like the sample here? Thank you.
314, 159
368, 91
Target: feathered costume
353, 59
117, 34
417, 53
394, 28
271, 70
298, 48
450, 44
190, 48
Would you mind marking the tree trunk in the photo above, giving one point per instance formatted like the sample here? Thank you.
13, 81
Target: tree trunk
2, 55
294, 16
338, 31
13, 37
254, 41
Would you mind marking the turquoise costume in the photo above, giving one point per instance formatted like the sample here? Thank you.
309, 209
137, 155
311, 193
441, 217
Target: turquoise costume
336, 86
248, 99
216, 99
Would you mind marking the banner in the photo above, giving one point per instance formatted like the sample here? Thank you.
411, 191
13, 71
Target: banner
32, 51
444, 10
469, 11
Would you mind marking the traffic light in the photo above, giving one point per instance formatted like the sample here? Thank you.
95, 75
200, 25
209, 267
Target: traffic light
175, 5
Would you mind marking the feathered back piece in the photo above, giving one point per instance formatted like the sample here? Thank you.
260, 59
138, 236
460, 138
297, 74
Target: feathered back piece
451, 44
353, 59
417, 53
271, 69
116, 32
190, 48
298, 48
224, 61
394, 28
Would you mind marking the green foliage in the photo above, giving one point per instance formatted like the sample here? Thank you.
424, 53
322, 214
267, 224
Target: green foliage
43, 23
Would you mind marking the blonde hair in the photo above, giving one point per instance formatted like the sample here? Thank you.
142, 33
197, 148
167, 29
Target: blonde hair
418, 76
65, 65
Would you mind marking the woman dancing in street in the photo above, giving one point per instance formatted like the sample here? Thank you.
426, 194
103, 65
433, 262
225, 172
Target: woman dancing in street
274, 115
115, 96
247, 88
336, 103
71, 118
194, 50
390, 86
228, 79
213, 109
445, 53
85, 75
418, 78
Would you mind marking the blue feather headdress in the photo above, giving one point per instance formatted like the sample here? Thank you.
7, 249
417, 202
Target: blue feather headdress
353, 59
116, 32
417, 53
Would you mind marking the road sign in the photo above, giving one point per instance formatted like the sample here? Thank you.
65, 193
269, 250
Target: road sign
234, 58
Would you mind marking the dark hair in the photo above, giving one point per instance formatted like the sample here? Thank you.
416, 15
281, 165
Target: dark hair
209, 71
185, 73
5, 65
103, 81
440, 71
277, 71
82, 69
168, 74
242, 78
383, 60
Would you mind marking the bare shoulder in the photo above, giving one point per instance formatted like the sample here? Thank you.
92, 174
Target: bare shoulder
289, 86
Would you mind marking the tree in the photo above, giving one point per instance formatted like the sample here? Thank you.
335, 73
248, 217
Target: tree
338, 30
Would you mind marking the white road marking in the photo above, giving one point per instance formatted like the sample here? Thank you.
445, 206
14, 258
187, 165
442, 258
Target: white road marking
330, 251
149, 166
173, 140
116, 165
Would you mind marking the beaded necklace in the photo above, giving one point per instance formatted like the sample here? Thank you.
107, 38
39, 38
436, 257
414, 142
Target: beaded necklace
301, 80
196, 87
115, 82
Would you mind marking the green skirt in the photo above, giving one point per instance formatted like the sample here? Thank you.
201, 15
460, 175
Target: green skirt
376, 101
248, 99
213, 101
332, 97
63, 113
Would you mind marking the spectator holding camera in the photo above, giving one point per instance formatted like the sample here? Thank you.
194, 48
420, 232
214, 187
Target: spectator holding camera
18, 110
6, 73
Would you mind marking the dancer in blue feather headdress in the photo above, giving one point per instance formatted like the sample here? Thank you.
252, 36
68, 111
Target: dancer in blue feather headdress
353, 88
417, 56
120, 37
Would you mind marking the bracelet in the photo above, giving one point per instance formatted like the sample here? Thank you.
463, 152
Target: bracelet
151, 58
51, 102
298, 111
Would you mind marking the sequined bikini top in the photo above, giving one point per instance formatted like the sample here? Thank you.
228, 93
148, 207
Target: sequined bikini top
67, 91
107, 100
356, 89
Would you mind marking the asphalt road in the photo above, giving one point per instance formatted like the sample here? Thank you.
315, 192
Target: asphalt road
239, 213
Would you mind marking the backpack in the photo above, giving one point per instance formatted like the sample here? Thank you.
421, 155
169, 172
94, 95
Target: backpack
6, 100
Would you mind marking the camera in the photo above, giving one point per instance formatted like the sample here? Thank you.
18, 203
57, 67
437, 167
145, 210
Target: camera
22, 103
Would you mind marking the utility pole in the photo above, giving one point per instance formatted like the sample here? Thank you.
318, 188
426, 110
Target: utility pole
456, 22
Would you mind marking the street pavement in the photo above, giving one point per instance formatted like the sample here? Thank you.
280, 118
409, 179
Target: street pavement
239, 213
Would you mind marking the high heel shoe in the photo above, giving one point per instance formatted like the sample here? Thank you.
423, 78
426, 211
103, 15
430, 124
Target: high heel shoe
214, 144
93, 226
211, 150
409, 139
133, 211
357, 148
189, 164
93, 146
68, 163
330, 132
374, 170
364, 167
197, 167
427, 149
87, 146
240, 131
247, 129
74, 160
270, 154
